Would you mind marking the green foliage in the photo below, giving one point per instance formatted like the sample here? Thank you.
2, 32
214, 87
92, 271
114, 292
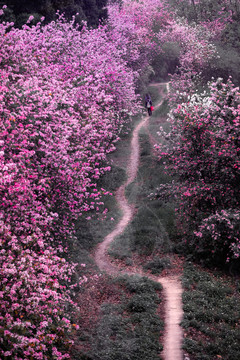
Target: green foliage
231, 35
139, 284
146, 232
113, 178
140, 303
8, 15
144, 235
211, 316
130, 330
228, 43
153, 222
205, 10
157, 265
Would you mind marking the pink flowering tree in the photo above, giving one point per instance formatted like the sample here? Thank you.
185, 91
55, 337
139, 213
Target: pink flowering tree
196, 48
148, 26
202, 154
63, 108
220, 20
137, 24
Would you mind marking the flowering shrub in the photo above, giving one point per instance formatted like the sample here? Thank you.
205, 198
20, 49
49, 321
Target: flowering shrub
194, 41
202, 153
33, 299
62, 107
213, 16
138, 24
65, 95
218, 231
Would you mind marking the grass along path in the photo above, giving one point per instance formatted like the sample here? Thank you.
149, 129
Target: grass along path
171, 285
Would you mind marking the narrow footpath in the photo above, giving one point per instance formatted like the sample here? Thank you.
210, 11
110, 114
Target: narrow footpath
171, 284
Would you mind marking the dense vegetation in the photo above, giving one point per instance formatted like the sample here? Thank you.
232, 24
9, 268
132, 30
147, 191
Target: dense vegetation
201, 150
122, 320
202, 154
223, 15
211, 315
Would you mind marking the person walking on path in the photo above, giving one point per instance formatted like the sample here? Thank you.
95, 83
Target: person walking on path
148, 104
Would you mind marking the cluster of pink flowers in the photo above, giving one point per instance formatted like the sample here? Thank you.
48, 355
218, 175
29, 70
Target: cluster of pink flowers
35, 288
194, 42
203, 151
212, 15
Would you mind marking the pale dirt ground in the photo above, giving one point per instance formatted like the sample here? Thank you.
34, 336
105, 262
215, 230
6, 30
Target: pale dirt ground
172, 289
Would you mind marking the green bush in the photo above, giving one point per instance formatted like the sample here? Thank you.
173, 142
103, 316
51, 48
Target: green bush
166, 62
161, 112
112, 179
130, 330
157, 265
139, 303
120, 249
140, 284
211, 315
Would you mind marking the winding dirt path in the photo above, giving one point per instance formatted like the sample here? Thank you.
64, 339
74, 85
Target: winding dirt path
171, 284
